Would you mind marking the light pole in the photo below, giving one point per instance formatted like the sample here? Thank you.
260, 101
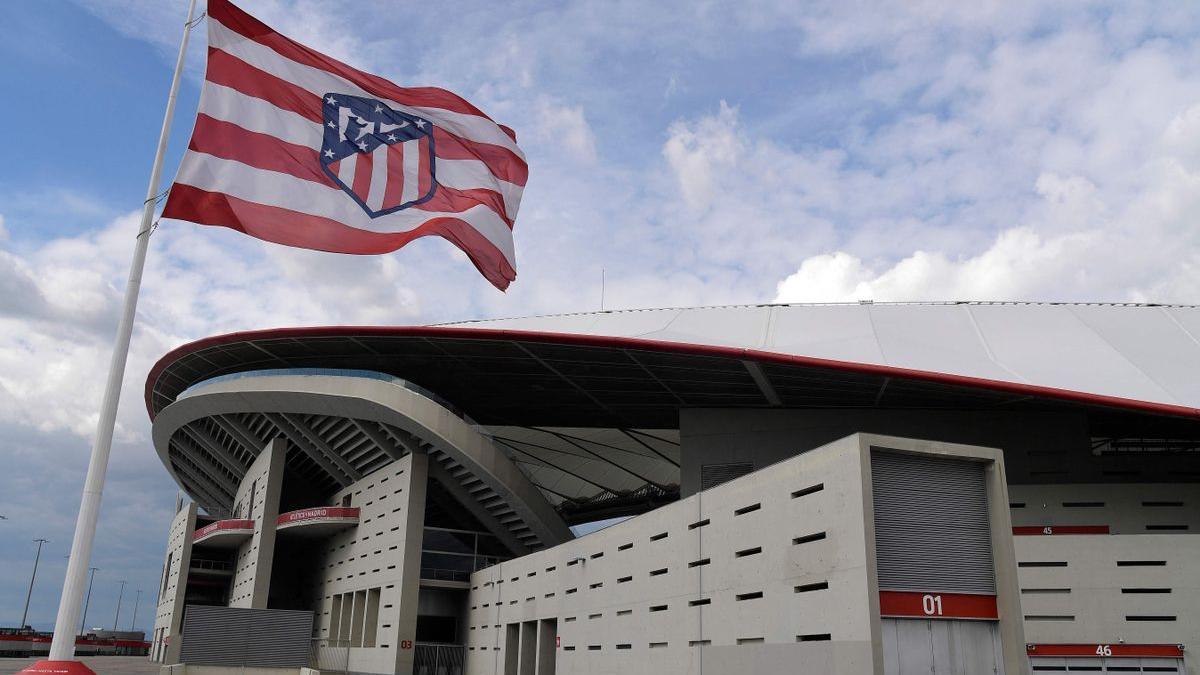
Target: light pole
91, 578
36, 558
119, 596
133, 624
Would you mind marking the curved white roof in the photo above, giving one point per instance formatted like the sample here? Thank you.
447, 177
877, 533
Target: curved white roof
1145, 353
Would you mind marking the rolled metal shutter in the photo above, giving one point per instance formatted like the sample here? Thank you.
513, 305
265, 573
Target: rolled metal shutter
235, 636
931, 524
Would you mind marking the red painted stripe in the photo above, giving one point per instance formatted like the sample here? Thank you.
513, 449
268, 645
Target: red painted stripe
423, 174
392, 196
1048, 530
236, 74
223, 525
318, 513
292, 228
1113, 650
935, 605
242, 23
263, 151
499, 160
362, 175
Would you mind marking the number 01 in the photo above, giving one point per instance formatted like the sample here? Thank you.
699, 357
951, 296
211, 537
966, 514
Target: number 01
931, 605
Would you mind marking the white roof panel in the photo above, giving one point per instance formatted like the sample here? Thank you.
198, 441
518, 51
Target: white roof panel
1147, 353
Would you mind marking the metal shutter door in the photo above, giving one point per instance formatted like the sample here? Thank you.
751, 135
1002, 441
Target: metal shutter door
234, 636
931, 524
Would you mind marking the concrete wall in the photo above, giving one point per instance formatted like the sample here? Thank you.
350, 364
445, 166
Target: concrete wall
383, 554
1074, 591
168, 614
259, 494
677, 590
763, 437
1157, 509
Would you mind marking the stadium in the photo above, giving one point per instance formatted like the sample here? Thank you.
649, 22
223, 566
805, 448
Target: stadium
846, 488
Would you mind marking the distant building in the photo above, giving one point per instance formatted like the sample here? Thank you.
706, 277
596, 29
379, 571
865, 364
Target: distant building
25, 642
895, 488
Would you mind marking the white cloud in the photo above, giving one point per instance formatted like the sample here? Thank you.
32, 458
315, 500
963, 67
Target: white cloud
568, 127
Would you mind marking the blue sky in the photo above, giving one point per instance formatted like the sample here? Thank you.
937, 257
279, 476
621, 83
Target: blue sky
699, 153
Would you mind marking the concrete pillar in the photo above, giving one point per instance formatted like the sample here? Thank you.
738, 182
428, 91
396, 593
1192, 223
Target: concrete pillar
410, 562
259, 491
547, 646
525, 665
512, 640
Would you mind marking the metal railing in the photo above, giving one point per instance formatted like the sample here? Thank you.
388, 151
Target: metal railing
438, 659
329, 656
211, 565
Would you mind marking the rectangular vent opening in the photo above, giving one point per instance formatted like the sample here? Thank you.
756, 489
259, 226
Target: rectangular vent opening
660, 535
1044, 591
623, 580
699, 643
700, 563
747, 509
1083, 505
816, 536
624, 645
1049, 617
1166, 528
818, 586
748, 552
808, 490
697, 524
625, 547
655, 573
750, 641
658, 608
598, 555
1141, 563
1044, 563
1149, 617
1016, 505
1145, 590
698, 603
656, 645
749, 596
814, 637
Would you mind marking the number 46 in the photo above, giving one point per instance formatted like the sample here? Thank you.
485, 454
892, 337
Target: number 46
1103, 650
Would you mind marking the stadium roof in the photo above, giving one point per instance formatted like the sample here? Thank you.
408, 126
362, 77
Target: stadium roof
576, 399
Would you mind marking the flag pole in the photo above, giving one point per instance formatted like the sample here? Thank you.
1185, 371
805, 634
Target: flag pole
62, 648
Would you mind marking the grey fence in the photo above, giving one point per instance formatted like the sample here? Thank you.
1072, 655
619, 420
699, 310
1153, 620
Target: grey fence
438, 659
329, 656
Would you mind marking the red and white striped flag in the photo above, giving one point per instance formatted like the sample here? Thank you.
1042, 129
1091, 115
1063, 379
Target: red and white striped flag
297, 148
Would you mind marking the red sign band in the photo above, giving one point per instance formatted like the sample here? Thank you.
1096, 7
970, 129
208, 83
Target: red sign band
935, 605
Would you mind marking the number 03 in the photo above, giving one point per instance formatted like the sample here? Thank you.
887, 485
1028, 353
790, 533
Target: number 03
931, 605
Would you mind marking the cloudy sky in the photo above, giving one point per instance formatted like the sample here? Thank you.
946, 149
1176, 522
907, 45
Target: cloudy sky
696, 152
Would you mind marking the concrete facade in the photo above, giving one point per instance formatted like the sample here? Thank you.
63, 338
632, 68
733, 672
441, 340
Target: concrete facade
365, 588
727, 580
168, 615
257, 499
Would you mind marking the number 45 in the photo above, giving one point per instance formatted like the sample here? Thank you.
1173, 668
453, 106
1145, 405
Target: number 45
1103, 650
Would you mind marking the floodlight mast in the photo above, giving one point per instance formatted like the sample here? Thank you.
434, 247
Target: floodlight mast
62, 648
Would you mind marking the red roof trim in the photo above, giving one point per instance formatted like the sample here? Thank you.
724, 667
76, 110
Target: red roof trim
662, 346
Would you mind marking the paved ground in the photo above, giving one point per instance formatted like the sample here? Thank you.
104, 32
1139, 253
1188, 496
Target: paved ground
103, 665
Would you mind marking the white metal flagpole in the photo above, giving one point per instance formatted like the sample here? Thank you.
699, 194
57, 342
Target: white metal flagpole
62, 648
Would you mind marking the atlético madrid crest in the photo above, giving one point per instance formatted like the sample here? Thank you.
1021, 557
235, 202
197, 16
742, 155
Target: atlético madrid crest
382, 158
